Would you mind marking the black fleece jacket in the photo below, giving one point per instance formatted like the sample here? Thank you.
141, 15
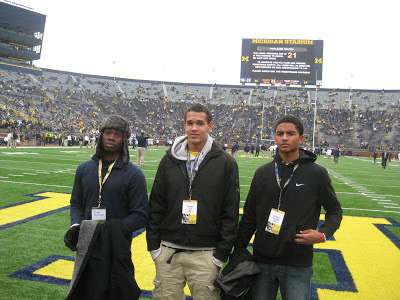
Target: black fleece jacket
309, 189
215, 187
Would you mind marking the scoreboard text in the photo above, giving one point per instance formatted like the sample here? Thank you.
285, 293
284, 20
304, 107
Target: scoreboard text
277, 61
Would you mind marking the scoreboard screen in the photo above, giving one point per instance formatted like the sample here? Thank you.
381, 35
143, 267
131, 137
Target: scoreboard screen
277, 61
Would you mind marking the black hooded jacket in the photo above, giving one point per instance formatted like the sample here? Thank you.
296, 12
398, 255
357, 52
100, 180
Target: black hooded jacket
215, 187
309, 189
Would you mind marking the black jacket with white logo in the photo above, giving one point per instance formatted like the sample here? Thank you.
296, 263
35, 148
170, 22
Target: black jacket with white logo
308, 191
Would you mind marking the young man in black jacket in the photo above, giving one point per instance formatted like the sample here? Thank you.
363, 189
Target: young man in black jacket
283, 207
194, 210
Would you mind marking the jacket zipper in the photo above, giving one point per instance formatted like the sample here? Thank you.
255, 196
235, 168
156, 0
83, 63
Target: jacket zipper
198, 171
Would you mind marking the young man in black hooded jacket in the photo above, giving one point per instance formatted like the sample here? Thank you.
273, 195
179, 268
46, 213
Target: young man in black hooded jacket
283, 207
194, 210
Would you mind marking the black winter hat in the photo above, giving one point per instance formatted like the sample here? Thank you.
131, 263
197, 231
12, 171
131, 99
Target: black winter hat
117, 123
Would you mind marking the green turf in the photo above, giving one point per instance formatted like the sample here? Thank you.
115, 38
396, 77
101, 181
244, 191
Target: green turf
32, 170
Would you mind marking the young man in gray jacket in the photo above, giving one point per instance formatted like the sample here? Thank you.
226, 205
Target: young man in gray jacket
194, 210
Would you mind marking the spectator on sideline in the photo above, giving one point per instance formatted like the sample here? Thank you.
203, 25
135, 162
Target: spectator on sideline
86, 141
336, 153
15, 139
9, 140
142, 145
385, 157
375, 156
109, 189
283, 209
194, 207
235, 150
328, 153
246, 151
263, 150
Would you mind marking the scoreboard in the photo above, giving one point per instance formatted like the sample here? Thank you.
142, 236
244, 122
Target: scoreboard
278, 61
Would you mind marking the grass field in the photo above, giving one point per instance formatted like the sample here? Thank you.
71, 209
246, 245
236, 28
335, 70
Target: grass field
361, 261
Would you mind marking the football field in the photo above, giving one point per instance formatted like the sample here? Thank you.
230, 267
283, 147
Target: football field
361, 261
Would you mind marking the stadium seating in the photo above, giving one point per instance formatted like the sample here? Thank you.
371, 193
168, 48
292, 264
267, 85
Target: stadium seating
67, 102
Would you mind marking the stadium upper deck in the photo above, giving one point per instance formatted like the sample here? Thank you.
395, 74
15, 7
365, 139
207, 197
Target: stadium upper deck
65, 101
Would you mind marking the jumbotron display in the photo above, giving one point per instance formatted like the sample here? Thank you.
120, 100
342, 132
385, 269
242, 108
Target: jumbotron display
278, 61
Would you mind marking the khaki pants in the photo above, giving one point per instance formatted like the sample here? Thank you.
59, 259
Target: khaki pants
140, 155
195, 268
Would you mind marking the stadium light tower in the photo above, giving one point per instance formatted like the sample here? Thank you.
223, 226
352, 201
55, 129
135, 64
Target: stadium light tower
315, 108
262, 123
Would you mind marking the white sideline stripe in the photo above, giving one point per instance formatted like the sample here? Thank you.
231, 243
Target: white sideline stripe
40, 184
30, 174
19, 169
363, 209
375, 210
35, 162
392, 186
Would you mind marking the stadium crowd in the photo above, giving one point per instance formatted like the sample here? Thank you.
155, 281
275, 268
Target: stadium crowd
64, 104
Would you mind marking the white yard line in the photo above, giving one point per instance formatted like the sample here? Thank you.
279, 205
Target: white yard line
39, 184
363, 190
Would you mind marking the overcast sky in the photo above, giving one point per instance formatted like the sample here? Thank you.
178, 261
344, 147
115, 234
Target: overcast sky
200, 41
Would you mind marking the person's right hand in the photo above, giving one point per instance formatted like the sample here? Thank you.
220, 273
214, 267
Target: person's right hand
71, 237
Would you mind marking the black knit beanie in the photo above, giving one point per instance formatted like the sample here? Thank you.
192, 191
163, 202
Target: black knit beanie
117, 123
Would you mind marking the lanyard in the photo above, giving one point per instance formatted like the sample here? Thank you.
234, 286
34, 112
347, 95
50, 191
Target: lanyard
101, 183
278, 181
191, 171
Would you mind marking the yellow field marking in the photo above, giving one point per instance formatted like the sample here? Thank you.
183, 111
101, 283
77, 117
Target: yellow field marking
372, 259
145, 270
60, 268
51, 202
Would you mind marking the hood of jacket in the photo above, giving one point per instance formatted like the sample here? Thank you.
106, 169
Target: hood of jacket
179, 149
305, 155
